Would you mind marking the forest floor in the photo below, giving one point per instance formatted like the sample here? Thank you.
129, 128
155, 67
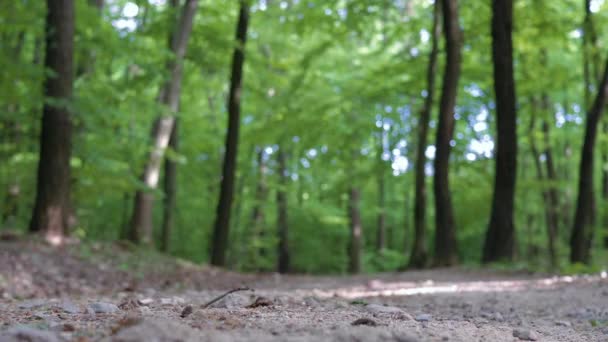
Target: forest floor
107, 292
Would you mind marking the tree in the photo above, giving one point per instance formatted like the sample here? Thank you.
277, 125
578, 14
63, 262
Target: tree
282, 221
141, 219
381, 172
582, 229
500, 237
445, 234
170, 190
52, 204
258, 216
419, 254
356, 233
549, 196
222, 218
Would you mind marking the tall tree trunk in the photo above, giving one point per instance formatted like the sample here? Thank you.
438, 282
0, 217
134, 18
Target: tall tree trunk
356, 233
553, 195
445, 236
591, 73
222, 219
170, 190
282, 221
52, 205
419, 255
381, 219
550, 218
258, 216
142, 219
582, 230
500, 237
605, 185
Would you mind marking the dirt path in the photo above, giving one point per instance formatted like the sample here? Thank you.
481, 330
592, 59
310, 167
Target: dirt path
50, 296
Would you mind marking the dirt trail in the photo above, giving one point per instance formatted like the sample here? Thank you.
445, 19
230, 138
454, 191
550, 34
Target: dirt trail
72, 296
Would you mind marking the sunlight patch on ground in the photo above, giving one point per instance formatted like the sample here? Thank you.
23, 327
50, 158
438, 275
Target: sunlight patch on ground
377, 288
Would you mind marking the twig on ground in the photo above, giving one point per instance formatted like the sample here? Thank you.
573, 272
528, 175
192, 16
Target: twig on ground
216, 299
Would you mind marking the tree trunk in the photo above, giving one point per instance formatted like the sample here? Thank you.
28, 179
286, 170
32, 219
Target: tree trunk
222, 220
445, 236
381, 219
282, 222
170, 190
257, 216
550, 218
500, 237
552, 196
582, 230
605, 185
52, 205
142, 220
354, 248
419, 255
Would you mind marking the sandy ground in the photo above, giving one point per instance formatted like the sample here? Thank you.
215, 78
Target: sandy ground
71, 295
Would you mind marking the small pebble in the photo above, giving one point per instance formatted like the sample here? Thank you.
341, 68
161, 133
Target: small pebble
365, 321
187, 311
525, 334
423, 318
101, 307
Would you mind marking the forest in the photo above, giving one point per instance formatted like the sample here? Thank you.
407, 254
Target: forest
309, 136
303, 170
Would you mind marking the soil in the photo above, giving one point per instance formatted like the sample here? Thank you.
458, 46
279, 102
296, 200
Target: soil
112, 292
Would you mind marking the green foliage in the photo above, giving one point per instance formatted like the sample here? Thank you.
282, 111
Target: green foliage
323, 80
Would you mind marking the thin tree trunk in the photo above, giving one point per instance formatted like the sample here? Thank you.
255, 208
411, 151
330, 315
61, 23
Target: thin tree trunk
170, 190
419, 255
239, 254
222, 220
582, 230
258, 216
381, 219
52, 205
445, 236
356, 234
282, 221
553, 195
551, 220
142, 219
500, 238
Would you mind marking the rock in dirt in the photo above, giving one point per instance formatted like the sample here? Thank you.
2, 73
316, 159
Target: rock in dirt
232, 301
388, 310
563, 324
158, 330
172, 301
260, 302
375, 308
101, 307
365, 333
187, 311
145, 301
525, 334
68, 307
423, 318
32, 304
29, 334
365, 321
